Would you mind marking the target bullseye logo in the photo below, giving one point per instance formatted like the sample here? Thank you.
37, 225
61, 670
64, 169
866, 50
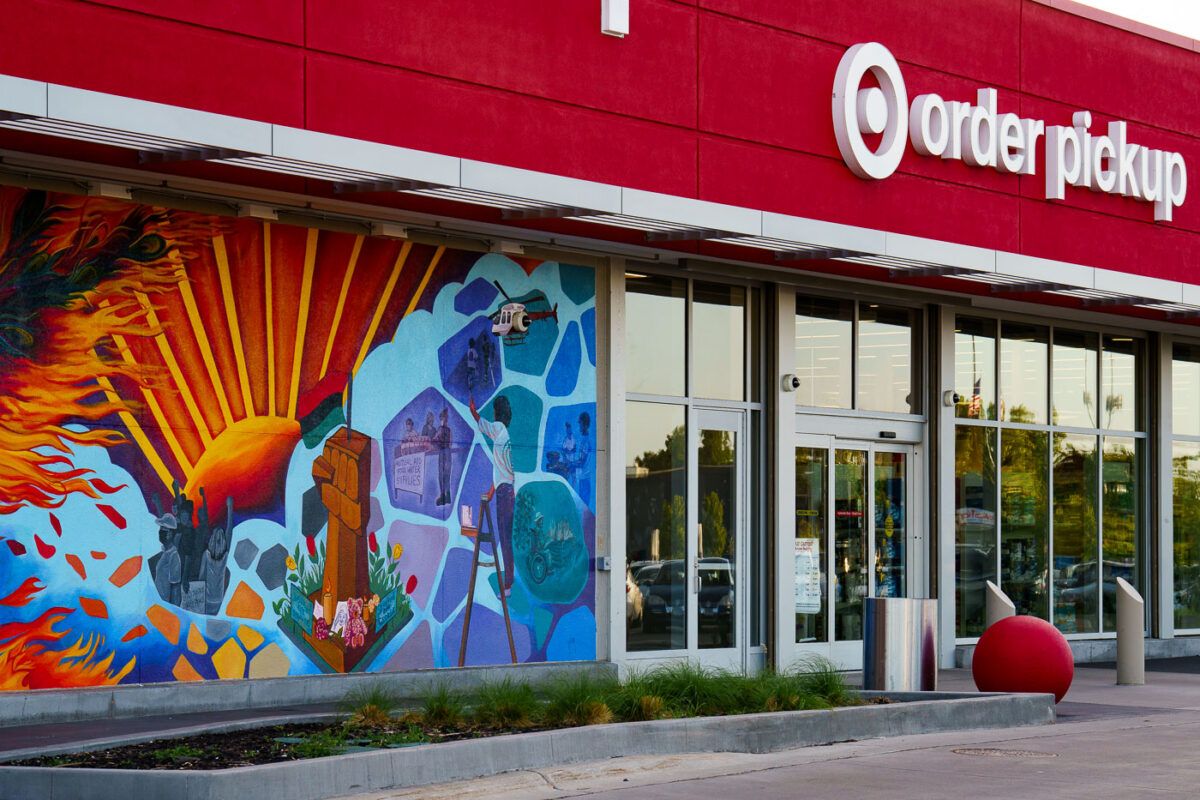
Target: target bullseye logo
881, 109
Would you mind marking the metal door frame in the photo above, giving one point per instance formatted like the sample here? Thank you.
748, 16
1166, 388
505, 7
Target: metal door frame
848, 654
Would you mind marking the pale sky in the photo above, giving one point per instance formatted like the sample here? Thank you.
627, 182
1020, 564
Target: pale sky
1180, 16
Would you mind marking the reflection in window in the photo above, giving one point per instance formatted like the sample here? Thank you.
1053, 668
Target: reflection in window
1023, 373
1076, 585
891, 520
885, 362
1074, 380
655, 359
1085, 508
1024, 528
812, 543
850, 543
824, 349
975, 368
1185, 391
656, 526
716, 462
1119, 383
1185, 468
974, 524
1122, 534
718, 341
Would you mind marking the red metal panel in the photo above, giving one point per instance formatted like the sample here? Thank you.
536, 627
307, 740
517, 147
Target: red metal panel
552, 50
278, 20
1095, 67
1051, 230
822, 188
135, 55
980, 38
779, 91
405, 108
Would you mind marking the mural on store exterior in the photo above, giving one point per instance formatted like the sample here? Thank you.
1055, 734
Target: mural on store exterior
192, 486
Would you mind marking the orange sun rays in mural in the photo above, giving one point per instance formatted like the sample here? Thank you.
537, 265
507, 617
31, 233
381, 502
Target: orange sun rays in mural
202, 340
259, 320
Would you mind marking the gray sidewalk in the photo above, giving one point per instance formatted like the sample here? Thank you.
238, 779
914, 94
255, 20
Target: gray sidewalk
1116, 727
1172, 684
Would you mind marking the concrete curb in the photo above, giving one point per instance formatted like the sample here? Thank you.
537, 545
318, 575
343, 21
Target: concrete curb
320, 778
140, 700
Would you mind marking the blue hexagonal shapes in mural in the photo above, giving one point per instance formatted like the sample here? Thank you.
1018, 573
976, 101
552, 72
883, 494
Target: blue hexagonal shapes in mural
424, 452
470, 363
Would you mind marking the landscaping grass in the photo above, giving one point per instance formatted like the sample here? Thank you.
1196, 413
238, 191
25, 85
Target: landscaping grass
375, 718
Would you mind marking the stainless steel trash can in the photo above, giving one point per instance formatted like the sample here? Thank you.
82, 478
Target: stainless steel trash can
900, 644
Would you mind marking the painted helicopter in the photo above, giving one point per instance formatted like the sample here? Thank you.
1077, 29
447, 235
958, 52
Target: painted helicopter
511, 321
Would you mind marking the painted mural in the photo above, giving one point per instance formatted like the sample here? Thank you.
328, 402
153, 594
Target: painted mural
231, 448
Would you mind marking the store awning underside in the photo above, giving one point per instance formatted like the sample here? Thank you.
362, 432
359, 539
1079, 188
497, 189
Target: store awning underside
162, 134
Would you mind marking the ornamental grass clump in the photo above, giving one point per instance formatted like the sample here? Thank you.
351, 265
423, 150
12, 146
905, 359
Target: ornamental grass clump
819, 677
441, 707
689, 690
506, 704
579, 700
634, 700
370, 706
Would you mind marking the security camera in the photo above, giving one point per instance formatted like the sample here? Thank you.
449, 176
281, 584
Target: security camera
790, 383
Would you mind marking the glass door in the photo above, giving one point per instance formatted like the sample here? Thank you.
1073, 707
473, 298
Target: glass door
716, 619
692, 573
854, 504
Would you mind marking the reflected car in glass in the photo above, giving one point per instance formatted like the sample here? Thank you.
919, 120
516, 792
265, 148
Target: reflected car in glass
716, 599
665, 603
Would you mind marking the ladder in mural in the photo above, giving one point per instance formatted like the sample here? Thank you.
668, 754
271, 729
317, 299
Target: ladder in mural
485, 537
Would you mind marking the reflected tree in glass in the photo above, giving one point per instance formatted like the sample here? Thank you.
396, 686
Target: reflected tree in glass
1024, 519
974, 524
1076, 536
1185, 468
656, 524
1122, 536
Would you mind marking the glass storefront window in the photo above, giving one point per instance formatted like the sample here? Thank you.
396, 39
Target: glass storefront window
849, 543
656, 524
975, 368
1076, 587
1185, 390
1120, 384
718, 341
1024, 528
891, 520
885, 359
1074, 380
812, 478
1071, 509
1122, 536
716, 459
1023, 350
824, 352
1185, 468
974, 524
655, 330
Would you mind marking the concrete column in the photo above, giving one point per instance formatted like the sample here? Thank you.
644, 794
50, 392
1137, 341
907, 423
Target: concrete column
1131, 640
998, 606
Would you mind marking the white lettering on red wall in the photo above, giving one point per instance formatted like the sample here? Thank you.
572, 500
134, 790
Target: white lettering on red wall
978, 135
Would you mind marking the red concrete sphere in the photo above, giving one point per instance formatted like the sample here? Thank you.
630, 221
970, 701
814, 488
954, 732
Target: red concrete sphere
1023, 654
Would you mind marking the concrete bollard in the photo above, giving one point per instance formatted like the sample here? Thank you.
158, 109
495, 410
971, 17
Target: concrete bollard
1131, 636
998, 606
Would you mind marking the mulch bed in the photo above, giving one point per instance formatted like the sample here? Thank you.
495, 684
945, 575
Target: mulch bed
233, 748
277, 743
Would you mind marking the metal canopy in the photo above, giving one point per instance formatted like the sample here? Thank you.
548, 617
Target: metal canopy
161, 133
